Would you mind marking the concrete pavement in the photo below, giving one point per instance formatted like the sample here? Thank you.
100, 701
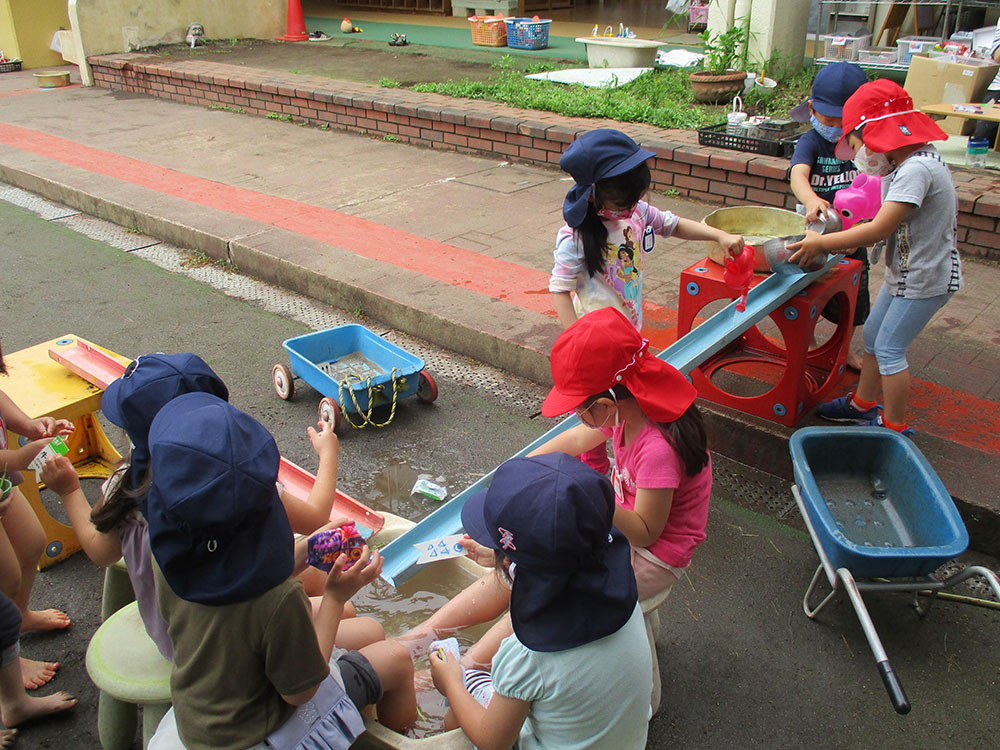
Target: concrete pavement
451, 247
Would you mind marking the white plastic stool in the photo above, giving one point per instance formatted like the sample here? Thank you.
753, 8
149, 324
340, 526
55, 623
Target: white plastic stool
117, 589
127, 667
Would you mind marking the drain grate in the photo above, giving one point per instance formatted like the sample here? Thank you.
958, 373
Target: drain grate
754, 489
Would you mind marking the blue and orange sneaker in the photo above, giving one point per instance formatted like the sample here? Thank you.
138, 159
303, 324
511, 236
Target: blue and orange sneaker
841, 410
907, 431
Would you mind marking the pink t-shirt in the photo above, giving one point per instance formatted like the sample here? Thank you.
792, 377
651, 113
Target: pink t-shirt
650, 462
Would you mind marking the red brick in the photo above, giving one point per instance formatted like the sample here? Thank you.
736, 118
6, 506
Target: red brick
727, 188
502, 147
730, 162
366, 123
764, 197
533, 154
456, 140
429, 134
709, 174
467, 131
692, 183
478, 120
480, 144
989, 203
747, 180
444, 127
346, 120
533, 129
519, 140
765, 167
691, 155
965, 219
961, 234
978, 237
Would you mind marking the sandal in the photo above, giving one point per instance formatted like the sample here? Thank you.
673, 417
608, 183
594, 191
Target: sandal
397, 40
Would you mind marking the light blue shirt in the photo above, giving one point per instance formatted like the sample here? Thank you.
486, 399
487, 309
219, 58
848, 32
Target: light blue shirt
593, 697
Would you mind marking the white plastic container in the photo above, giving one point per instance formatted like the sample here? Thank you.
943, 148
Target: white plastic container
844, 48
878, 56
915, 45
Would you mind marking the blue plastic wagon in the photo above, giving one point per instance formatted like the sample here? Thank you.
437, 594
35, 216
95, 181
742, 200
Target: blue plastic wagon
357, 371
880, 520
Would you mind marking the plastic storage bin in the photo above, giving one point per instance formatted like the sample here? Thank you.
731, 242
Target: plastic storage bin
878, 56
523, 33
488, 32
840, 47
915, 45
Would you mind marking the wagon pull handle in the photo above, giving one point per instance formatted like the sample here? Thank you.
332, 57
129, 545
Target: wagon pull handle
893, 688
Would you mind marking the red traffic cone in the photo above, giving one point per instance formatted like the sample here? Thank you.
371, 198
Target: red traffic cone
295, 28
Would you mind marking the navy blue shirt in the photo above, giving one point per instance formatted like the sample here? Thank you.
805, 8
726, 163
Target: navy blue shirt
827, 173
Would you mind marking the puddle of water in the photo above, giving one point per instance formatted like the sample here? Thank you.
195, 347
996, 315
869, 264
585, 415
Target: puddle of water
401, 609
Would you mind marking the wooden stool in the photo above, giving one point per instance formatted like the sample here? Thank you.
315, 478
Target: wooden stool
124, 663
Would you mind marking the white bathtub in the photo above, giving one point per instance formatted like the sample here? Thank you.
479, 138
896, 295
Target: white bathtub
615, 52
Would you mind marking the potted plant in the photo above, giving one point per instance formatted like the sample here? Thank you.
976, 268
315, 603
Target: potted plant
723, 69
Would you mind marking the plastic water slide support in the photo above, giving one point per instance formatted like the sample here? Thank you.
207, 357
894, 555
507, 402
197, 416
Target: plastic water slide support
727, 325
99, 369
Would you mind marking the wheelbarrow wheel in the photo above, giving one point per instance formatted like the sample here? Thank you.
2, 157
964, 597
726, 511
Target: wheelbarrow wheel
329, 411
281, 378
427, 390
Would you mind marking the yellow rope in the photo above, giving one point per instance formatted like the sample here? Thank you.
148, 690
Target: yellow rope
366, 418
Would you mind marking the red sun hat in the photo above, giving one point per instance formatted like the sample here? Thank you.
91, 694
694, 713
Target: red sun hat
602, 349
887, 118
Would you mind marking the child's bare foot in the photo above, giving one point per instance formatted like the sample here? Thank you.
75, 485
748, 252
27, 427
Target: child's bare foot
36, 707
7, 737
34, 674
45, 619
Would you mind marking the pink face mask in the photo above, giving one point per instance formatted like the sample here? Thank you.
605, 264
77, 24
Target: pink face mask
615, 215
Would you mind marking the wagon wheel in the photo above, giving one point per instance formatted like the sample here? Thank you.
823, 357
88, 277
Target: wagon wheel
329, 411
427, 390
281, 378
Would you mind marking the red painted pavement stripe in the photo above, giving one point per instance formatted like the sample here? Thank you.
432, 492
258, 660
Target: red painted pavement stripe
456, 266
19, 92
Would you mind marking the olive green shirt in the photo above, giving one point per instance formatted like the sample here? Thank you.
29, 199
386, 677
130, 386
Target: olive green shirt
232, 664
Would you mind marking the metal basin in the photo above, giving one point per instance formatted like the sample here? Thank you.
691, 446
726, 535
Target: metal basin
757, 224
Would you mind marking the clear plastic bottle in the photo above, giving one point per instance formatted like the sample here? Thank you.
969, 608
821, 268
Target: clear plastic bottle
975, 153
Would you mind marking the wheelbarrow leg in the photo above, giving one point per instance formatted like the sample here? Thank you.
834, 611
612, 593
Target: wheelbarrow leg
892, 686
811, 612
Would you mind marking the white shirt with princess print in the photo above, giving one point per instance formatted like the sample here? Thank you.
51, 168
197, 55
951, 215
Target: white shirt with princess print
621, 283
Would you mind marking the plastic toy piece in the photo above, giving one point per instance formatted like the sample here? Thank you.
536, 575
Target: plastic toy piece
323, 547
859, 202
739, 274
89, 363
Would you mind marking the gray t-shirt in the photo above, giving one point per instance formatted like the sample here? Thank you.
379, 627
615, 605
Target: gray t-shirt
921, 255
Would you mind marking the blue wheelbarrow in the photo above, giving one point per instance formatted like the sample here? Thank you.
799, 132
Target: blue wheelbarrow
880, 520
357, 371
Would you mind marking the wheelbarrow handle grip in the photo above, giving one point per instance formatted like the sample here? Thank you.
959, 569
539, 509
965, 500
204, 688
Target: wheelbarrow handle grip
893, 688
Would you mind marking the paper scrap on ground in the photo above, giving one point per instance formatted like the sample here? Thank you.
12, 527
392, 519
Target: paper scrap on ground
596, 78
440, 549
678, 58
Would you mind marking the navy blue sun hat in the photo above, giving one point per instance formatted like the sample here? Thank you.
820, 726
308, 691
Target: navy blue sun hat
596, 155
216, 525
552, 515
149, 383
832, 86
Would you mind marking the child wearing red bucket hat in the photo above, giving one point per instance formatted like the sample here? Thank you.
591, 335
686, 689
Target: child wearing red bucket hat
887, 136
578, 634
603, 370
600, 251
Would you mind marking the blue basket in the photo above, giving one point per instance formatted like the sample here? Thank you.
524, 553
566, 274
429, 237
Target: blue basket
907, 528
523, 33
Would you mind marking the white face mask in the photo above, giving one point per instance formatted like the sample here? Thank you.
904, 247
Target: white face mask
871, 163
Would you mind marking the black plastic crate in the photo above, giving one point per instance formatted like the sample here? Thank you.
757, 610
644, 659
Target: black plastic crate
10, 66
716, 135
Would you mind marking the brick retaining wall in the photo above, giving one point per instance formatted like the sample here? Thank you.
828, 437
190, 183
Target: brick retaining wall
485, 128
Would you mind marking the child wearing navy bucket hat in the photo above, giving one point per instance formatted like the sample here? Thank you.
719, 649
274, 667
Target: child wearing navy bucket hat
817, 174
578, 633
116, 527
599, 253
252, 667
887, 136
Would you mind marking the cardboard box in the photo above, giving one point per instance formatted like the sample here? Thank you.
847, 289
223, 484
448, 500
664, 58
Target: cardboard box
941, 82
